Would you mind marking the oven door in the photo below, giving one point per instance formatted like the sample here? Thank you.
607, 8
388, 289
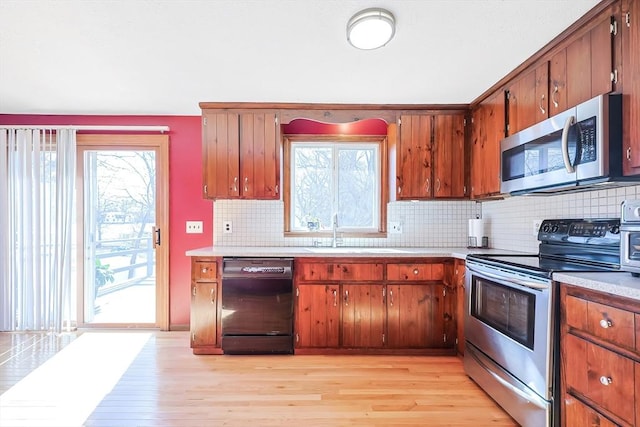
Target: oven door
630, 248
510, 318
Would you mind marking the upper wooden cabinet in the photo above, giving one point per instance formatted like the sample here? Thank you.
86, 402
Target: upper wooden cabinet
430, 159
528, 99
488, 129
240, 154
630, 81
583, 67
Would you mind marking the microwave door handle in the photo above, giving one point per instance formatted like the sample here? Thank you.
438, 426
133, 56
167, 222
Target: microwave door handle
520, 282
565, 144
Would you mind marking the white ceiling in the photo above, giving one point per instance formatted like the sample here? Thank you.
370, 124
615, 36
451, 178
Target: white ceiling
152, 57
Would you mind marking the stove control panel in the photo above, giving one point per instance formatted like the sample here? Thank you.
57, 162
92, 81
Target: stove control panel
589, 231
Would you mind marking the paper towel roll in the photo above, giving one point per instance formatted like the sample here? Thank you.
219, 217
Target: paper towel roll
477, 233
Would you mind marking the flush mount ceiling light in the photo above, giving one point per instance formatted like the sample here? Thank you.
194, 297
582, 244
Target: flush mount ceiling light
371, 28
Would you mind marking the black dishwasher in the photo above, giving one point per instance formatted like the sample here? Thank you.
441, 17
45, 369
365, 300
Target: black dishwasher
257, 306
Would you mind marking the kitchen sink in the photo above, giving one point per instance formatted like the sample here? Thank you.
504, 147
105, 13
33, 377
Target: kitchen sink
353, 250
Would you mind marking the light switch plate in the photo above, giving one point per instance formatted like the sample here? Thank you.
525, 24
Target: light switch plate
194, 227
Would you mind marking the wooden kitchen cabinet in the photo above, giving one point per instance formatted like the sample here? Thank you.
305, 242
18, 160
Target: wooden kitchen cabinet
363, 315
449, 156
373, 305
205, 306
317, 320
630, 79
583, 67
459, 271
600, 358
488, 129
430, 160
240, 153
527, 99
417, 316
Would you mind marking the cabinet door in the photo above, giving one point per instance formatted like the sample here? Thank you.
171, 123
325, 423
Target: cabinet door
317, 315
414, 157
259, 156
630, 30
522, 102
220, 155
363, 315
602, 376
204, 314
488, 131
415, 316
578, 414
449, 161
459, 277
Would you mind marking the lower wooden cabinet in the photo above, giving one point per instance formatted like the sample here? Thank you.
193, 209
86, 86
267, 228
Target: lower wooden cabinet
205, 306
600, 358
363, 316
317, 318
388, 306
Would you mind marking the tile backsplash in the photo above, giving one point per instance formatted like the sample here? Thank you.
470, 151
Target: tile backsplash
510, 221
428, 224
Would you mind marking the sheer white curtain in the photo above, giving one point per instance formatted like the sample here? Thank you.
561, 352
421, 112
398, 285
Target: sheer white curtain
37, 181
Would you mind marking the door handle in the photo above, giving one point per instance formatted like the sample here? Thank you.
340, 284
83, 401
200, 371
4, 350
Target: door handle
565, 145
156, 237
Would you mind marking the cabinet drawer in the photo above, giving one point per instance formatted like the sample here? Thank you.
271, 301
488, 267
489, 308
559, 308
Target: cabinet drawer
600, 375
579, 414
610, 324
204, 271
340, 271
420, 271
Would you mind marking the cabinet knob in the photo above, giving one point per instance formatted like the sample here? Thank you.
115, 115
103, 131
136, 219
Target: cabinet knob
605, 380
204, 269
416, 271
606, 323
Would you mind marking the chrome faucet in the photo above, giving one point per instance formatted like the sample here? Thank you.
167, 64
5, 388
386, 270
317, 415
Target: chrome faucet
334, 243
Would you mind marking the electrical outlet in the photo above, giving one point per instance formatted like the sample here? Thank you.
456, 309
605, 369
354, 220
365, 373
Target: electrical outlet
227, 227
194, 227
536, 227
395, 227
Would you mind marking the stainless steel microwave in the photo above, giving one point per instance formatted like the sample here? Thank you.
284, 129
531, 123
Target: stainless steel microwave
578, 147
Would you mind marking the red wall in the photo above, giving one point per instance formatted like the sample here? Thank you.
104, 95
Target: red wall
185, 195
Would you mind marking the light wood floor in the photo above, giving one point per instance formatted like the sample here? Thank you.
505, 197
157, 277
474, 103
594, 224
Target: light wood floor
164, 384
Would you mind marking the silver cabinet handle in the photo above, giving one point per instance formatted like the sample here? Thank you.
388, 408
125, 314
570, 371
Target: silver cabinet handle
605, 380
335, 297
629, 153
553, 96
542, 109
606, 323
437, 185
427, 185
346, 297
246, 184
391, 298
235, 183
213, 296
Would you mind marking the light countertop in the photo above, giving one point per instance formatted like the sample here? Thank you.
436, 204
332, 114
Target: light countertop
616, 283
325, 251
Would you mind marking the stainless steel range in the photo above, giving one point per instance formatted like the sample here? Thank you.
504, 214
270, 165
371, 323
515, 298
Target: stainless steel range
511, 325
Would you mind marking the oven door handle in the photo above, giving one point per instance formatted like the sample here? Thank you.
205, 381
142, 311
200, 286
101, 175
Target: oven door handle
532, 285
525, 394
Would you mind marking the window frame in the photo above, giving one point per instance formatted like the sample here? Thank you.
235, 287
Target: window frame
383, 197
